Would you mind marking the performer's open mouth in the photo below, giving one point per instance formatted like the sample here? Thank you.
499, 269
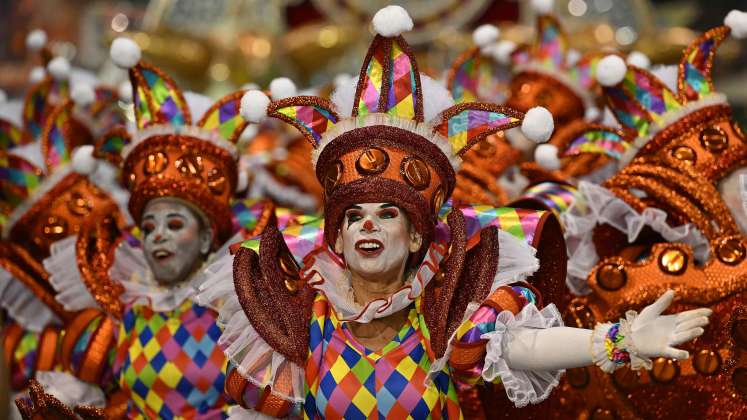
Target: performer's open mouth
162, 254
369, 247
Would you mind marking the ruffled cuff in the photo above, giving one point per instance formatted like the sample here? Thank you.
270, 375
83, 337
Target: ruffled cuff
70, 390
604, 347
254, 359
62, 266
522, 387
23, 306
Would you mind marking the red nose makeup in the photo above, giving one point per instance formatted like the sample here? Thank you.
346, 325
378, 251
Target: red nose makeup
368, 225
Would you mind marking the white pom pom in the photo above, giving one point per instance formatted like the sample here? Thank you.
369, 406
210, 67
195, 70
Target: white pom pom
37, 74
502, 52
125, 53
36, 40
282, 88
82, 94
243, 181
124, 91
250, 86
485, 35
737, 21
543, 7
254, 106
546, 156
611, 70
83, 161
392, 21
538, 124
3, 97
638, 59
59, 68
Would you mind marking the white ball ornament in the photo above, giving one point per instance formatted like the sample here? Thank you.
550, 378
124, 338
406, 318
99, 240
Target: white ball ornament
254, 106
538, 124
392, 21
611, 70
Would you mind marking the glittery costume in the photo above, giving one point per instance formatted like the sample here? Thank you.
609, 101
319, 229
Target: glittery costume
45, 197
286, 328
662, 222
150, 349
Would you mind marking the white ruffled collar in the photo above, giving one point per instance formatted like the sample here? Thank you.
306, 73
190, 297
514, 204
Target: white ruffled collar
130, 269
326, 273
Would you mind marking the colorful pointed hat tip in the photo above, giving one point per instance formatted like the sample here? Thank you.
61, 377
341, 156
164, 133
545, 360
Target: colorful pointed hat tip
125, 53
36, 40
392, 21
543, 7
736, 20
611, 70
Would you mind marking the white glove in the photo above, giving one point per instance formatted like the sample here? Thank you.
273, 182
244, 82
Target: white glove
655, 335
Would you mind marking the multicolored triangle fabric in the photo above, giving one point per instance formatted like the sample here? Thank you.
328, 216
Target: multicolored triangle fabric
463, 79
584, 71
464, 125
55, 142
18, 178
640, 99
522, 223
557, 197
157, 98
551, 44
38, 104
224, 117
346, 380
694, 79
603, 141
170, 363
11, 136
312, 116
111, 144
389, 71
474, 77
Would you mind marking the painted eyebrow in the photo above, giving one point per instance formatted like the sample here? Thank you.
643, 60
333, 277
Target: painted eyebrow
149, 216
176, 215
387, 205
355, 207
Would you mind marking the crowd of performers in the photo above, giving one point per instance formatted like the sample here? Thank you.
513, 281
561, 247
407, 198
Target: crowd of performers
536, 234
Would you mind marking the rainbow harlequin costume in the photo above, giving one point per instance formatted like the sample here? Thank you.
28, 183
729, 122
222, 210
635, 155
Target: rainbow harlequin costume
151, 349
287, 329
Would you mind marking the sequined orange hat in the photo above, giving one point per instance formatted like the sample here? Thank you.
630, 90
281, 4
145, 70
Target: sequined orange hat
374, 145
169, 156
691, 125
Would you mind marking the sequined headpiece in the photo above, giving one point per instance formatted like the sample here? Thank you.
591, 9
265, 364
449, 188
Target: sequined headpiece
692, 124
45, 195
549, 73
169, 156
375, 145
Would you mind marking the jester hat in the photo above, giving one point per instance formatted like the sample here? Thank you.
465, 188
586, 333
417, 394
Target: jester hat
45, 191
374, 144
689, 124
169, 155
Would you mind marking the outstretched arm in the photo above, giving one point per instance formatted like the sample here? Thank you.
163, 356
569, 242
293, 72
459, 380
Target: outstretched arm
636, 339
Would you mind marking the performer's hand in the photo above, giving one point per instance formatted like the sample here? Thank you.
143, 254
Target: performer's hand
656, 335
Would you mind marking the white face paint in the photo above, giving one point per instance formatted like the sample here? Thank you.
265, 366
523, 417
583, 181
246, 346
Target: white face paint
175, 240
376, 240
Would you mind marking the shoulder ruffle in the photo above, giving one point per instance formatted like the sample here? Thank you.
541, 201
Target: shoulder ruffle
64, 275
596, 205
23, 306
254, 359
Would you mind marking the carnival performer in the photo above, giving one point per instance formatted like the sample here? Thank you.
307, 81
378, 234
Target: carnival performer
663, 221
392, 312
138, 345
46, 195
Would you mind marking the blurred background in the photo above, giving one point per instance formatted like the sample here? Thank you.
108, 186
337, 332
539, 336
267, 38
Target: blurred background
217, 46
